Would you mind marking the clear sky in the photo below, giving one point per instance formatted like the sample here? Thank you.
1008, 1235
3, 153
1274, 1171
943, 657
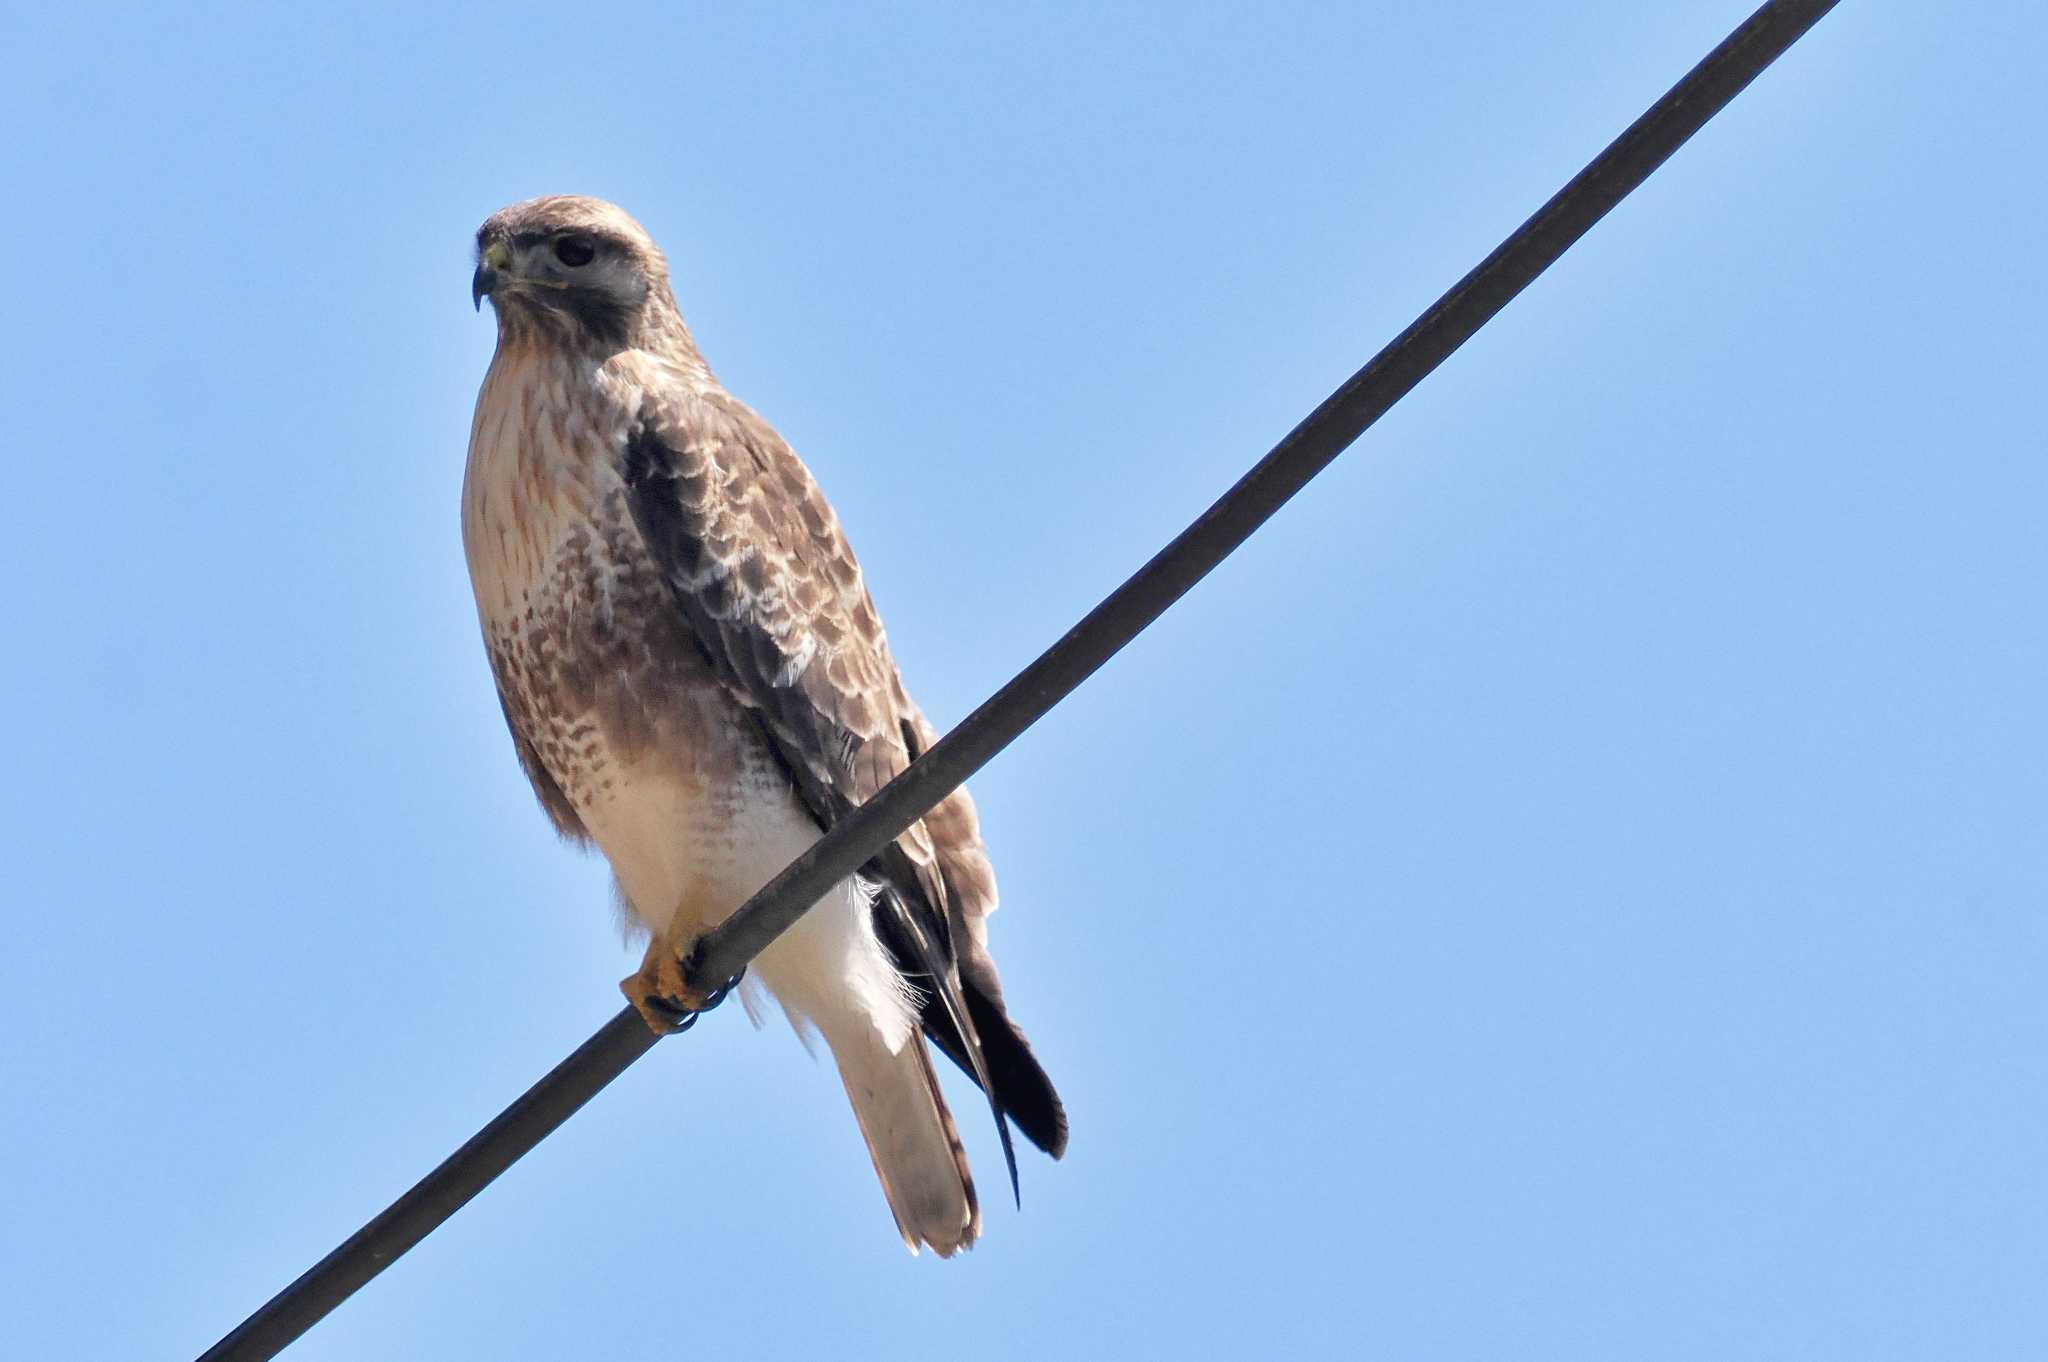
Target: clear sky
1572, 888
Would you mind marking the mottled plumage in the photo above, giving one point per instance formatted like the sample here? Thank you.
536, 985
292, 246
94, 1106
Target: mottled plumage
697, 681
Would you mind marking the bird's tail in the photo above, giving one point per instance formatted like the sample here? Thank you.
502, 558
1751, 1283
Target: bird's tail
911, 1136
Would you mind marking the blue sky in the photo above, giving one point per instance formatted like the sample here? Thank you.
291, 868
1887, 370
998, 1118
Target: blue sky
1572, 887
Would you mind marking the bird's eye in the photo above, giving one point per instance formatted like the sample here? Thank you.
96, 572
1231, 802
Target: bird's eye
575, 250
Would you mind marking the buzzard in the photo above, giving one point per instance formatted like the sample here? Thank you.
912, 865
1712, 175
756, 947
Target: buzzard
697, 682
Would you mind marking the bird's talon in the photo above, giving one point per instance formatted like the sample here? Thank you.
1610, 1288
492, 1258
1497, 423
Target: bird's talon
662, 994
671, 1009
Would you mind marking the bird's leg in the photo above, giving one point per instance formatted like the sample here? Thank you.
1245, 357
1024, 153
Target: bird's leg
660, 991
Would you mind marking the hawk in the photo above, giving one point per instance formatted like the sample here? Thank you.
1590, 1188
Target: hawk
697, 682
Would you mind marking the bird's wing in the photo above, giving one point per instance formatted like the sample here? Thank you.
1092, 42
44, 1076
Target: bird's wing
1022, 1087
762, 574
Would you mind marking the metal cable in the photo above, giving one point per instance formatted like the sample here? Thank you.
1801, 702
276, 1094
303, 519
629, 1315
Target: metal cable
1306, 451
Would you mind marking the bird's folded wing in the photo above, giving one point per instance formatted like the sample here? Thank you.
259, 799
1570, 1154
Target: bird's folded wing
763, 576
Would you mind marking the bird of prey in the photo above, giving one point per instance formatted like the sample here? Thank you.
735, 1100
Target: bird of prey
697, 681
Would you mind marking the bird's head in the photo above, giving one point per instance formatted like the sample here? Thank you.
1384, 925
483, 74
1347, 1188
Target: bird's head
576, 270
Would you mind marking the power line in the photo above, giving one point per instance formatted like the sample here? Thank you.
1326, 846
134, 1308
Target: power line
1126, 612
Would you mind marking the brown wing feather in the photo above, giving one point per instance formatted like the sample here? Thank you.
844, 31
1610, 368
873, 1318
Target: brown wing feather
773, 594
1021, 1084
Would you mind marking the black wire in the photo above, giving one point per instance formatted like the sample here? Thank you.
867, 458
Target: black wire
1306, 451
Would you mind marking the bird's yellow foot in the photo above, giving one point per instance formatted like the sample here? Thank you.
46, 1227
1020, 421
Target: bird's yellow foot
661, 993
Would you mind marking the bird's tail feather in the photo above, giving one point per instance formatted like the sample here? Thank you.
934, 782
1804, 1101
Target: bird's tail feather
911, 1136
1021, 1089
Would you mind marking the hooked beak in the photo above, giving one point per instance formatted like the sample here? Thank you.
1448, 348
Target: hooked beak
496, 257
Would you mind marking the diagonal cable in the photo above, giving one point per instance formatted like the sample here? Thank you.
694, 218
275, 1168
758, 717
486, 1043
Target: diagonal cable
1306, 451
